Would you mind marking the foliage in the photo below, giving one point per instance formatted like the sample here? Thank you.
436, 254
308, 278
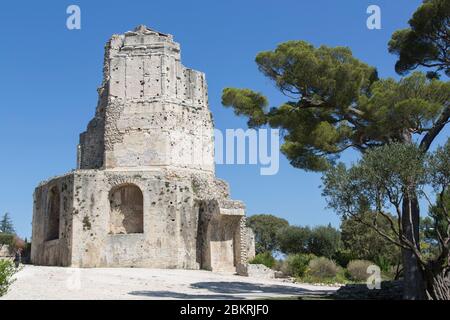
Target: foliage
395, 109
7, 271
426, 42
294, 239
357, 269
363, 242
272, 233
343, 256
393, 272
321, 80
295, 265
320, 241
322, 268
337, 102
266, 228
439, 178
380, 181
251, 104
6, 225
386, 264
324, 241
264, 258
429, 245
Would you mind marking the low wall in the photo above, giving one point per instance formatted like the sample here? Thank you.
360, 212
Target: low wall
256, 271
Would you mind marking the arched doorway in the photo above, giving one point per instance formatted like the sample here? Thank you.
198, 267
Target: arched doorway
126, 210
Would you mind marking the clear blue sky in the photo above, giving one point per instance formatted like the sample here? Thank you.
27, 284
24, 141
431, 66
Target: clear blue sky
50, 75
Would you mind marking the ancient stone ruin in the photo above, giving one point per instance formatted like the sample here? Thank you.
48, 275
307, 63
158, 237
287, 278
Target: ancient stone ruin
144, 193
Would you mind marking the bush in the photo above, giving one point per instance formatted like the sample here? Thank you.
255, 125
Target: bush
7, 270
264, 258
322, 268
295, 265
384, 263
357, 269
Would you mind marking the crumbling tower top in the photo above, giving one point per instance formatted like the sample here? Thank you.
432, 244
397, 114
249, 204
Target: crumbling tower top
152, 111
143, 29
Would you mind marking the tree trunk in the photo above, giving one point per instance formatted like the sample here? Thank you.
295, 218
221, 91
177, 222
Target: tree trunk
414, 282
438, 286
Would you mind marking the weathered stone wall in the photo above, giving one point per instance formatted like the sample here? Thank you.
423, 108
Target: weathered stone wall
90, 154
246, 242
219, 235
156, 112
55, 251
249, 243
170, 220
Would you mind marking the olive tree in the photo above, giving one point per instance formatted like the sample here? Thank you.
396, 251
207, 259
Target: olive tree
266, 228
378, 184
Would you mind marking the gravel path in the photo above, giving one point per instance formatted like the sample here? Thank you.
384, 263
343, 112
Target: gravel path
36, 282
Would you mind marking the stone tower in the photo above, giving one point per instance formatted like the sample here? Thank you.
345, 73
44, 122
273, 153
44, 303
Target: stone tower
144, 193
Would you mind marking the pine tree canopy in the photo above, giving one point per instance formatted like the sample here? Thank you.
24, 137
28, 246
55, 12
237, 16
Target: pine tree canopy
337, 102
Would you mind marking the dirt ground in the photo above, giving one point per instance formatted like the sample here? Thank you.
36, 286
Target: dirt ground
36, 282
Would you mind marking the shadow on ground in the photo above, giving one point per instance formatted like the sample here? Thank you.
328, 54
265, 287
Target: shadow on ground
233, 290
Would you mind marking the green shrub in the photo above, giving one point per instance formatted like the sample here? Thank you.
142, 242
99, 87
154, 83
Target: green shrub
264, 258
384, 263
393, 273
357, 269
295, 265
7, 270
322, 268
341, 275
